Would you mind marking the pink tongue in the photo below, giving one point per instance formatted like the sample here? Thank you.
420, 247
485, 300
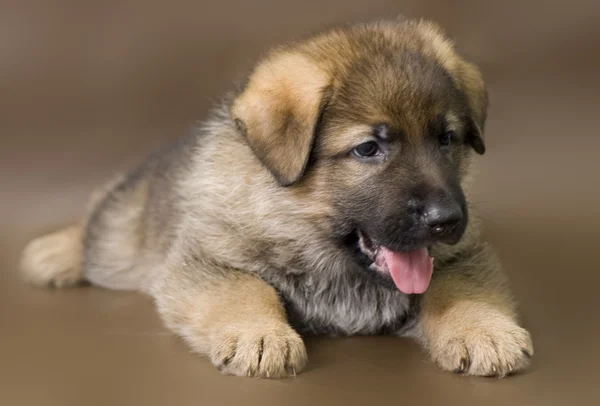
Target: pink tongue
411, 271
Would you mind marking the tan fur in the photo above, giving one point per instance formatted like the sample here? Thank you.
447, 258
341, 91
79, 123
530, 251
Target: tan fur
275, 106
243, 334
468, 320
236, 232
55, 259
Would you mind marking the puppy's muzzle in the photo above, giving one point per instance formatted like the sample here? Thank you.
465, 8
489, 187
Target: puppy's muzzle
443, 219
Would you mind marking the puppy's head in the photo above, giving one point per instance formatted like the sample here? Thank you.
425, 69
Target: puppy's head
379, 120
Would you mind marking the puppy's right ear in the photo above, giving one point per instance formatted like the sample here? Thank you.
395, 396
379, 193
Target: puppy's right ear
278, 111
472, 83
469, 80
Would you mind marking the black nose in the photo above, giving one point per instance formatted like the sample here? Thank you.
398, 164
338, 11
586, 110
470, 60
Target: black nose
443, 218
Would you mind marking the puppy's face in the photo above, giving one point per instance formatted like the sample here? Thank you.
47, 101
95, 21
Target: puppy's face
379, 121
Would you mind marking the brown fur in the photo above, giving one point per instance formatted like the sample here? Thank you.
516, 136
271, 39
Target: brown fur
237, 232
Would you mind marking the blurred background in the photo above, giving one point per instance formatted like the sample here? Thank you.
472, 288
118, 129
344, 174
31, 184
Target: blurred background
88, 87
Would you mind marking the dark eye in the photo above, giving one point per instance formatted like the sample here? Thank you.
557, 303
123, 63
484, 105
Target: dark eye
366, 149
446, 138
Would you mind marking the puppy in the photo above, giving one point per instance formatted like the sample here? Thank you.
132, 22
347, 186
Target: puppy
330, 195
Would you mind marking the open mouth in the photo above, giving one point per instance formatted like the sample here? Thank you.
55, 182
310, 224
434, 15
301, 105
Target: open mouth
410, 270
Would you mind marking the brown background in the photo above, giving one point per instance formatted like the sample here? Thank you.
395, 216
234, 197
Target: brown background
88, 87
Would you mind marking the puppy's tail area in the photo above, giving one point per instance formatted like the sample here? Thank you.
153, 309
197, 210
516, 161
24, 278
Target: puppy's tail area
55, 259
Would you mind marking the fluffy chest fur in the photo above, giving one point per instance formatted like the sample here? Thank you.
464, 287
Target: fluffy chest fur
350, 304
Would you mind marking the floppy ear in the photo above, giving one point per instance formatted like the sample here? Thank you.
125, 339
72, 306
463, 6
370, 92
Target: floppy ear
469, 80
279, 110
473, 86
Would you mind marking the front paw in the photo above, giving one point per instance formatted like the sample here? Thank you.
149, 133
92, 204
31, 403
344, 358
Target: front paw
265, 350
484, 342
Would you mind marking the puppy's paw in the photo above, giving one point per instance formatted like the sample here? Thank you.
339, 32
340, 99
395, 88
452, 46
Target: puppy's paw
269, 350
54, 259
487, 343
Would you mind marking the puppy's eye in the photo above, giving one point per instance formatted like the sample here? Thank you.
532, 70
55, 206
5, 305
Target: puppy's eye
366, 149
446, 138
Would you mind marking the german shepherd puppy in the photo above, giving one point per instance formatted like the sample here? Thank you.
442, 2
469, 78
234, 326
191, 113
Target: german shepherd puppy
330, 195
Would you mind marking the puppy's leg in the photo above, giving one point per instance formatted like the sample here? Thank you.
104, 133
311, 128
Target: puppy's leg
55, 259
236, 319
468, 319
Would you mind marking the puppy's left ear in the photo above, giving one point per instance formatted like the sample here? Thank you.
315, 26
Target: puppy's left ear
278, 111
473, 85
